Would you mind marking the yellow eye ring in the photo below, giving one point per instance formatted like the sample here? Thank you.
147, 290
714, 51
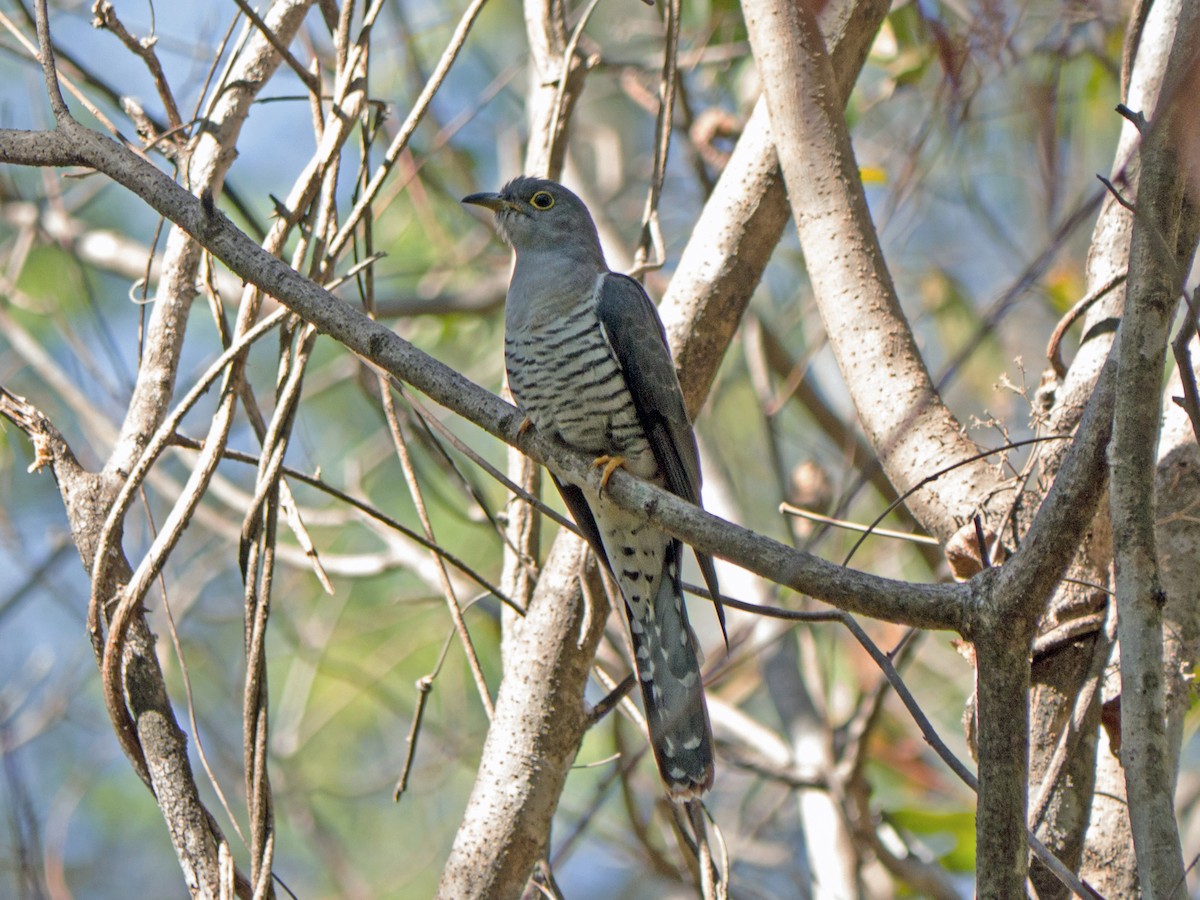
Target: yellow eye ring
542, 200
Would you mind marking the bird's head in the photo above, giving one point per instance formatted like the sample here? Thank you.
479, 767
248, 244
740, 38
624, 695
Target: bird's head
535, 214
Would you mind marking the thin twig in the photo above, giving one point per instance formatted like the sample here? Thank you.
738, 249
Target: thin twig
415, 115
710, 881
479, 460
568, 59
651, 235
400, 443
367, 509
610, 701
185, 675
106, 16
128, 601
983, 454
1181, 348
981, 546
307, 78
1073, 732
1137, 119
1117, 194
163, 436
424, 687
799, 512
58, 105
62, 115
1054, 345
928, 732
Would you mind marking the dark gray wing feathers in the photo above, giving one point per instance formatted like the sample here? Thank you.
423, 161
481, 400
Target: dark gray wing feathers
639, 341
577, 505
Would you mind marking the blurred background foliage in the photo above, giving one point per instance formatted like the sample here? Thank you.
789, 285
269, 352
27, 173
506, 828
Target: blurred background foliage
979, 129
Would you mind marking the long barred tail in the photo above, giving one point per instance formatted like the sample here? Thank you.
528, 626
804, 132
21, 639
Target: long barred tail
669, 672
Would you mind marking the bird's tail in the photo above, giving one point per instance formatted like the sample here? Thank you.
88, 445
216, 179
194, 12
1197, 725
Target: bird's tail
669, 671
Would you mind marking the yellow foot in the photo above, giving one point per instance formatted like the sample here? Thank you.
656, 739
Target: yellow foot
526, 425
610, 464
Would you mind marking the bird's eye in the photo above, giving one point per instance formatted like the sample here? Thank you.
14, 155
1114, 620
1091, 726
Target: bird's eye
542, 200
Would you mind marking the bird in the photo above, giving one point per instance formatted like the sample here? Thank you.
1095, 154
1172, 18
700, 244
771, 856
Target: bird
588, 364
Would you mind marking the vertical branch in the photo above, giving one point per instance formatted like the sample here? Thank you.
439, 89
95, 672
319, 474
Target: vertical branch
400, 442
533, 739
1091, 783
556, 81
415, 115
651, 237
258, 555
62, 116
742, 222
1155, 282
1002, 709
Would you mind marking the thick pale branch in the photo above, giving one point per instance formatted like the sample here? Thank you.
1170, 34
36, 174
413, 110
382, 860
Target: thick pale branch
1064, 515
546, 666
903, 415
1090, 785
1004, 628
506, 826
742, 222
1152, 295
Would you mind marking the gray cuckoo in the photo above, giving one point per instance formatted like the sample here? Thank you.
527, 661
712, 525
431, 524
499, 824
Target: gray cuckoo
588, 363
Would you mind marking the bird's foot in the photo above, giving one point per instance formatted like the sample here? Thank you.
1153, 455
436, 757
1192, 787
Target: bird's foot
610, 464
526, 425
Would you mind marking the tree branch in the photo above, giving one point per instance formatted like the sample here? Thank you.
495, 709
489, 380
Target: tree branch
897, 403
1155, 282
742, 222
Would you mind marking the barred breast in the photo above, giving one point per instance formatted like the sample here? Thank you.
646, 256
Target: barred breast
564, 376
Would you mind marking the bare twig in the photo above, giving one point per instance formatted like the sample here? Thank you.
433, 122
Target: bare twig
1181, 348
938, 473
1116, 194
1071, 316
928, 732
49, 71
565, 89
415, 115
106, 17
400, 443
424, 686
651, 235
790, 510
1156, 272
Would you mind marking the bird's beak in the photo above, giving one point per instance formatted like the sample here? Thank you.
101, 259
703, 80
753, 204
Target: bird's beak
494, 202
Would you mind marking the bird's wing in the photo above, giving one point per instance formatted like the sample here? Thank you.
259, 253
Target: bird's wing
636, 335
577, 505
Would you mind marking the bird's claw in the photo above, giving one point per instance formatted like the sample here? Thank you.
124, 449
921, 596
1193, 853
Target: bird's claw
610, 464
526, 425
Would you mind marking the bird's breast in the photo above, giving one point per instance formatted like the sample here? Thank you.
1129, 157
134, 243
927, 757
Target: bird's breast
564, 376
